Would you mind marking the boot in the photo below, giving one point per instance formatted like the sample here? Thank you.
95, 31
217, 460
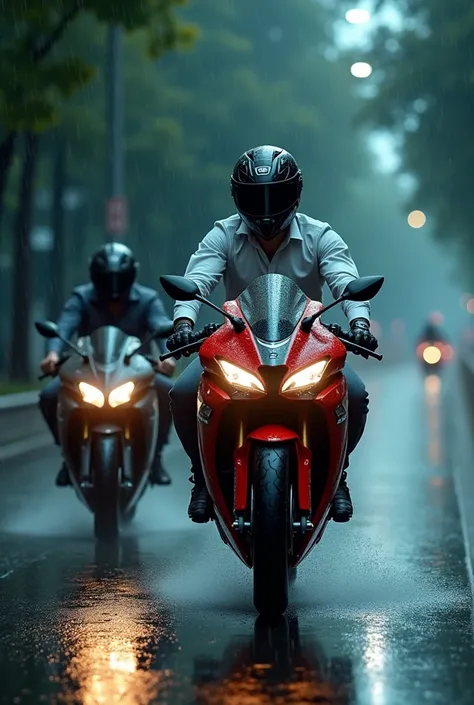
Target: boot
200, 506
62, 478
158, 475
342, 503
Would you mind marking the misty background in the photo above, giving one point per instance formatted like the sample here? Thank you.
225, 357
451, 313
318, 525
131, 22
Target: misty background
199, 84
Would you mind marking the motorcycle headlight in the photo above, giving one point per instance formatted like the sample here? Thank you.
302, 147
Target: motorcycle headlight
121, 395
307, 377
239, 378
432, 354
91, 395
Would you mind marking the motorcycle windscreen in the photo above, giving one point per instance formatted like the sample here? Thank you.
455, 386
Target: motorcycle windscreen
272, 306
108, 344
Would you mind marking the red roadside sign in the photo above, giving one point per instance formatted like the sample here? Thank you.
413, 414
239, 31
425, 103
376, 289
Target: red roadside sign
116, 215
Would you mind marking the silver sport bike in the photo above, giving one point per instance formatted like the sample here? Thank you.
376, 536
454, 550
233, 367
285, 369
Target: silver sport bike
107, 420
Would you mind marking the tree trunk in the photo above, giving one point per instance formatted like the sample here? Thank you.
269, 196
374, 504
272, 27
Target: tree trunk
56, 294
20, 337
7, 150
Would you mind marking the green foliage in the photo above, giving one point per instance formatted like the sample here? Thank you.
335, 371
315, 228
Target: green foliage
252, 77
34, 82
425, 81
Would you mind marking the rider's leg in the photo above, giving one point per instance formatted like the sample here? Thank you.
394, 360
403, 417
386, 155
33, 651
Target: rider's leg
48, 404
184, 409
358, 406
163, 386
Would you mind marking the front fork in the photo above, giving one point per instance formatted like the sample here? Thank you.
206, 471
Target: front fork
85, 478
301, 479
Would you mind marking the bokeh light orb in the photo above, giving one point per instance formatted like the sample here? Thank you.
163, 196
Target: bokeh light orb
357, 16
416, 219
361, 69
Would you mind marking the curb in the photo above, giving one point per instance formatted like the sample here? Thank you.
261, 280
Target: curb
462, 459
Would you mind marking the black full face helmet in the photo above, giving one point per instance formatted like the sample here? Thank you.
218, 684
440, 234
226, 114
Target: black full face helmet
266, 187
113, 270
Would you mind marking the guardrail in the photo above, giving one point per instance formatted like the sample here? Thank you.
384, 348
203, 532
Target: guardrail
20, 418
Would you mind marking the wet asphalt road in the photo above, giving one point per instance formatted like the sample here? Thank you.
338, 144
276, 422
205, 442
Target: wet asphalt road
380, 614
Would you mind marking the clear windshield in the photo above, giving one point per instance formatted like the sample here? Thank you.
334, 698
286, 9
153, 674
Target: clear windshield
272, 306
108, 344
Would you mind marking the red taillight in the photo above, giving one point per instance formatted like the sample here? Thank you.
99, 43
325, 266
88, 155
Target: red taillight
447, 351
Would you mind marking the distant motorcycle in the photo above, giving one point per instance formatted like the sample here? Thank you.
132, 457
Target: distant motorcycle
433, 356
108, 421
272, 422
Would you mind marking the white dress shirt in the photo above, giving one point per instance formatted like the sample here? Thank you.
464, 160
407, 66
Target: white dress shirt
311, 255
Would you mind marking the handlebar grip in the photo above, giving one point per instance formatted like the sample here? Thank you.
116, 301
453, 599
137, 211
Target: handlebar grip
60, 362
368, 353
192, 347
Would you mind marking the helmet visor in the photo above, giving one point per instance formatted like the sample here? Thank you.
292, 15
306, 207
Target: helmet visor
113, 284
265, 200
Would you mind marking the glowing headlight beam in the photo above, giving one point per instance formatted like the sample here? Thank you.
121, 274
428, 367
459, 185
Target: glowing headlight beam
121, 395
431, 355
242, 379
306, 377
91, 395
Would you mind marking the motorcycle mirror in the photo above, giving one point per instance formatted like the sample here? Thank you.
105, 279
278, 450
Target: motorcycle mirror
360, 289
47, 329
179, 288
363, 289
184, 289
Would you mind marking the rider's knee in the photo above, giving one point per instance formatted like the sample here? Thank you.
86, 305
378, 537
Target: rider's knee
358, 396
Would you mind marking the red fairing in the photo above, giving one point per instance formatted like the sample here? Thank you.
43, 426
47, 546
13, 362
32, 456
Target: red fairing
239, 348
308, 348
304, 477
241, 459
273, 434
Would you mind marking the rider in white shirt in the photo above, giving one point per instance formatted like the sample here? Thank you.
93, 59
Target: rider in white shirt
267, 235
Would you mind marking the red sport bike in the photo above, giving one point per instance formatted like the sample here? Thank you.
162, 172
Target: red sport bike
272, 422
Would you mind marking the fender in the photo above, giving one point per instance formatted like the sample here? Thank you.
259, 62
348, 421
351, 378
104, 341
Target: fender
272, 434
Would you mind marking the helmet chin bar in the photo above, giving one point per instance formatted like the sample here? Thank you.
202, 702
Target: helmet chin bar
279, 224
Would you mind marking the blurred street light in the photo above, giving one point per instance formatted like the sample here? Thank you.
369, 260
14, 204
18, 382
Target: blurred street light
470, 305
464, 299
357, 16
361, 69
416, 219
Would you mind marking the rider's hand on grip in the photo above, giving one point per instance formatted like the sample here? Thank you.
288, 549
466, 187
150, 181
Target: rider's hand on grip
361, 335
183, 335
334, 328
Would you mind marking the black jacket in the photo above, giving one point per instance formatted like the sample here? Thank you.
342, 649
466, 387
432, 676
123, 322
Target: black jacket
83, 313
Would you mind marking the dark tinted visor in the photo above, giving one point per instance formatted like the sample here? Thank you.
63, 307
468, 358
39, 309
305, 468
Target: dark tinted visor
114, 283
265, 200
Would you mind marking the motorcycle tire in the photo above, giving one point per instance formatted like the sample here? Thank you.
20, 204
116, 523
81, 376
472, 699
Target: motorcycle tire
271, 528
105, 460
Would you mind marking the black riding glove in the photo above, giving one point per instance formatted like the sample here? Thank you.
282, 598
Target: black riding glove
361, 335
183, 335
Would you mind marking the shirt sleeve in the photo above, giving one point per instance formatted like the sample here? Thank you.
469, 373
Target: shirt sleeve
338, 269
158, 319
68, 322
206, 267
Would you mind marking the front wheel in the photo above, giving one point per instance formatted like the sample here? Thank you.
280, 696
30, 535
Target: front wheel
271, 528
105, 460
